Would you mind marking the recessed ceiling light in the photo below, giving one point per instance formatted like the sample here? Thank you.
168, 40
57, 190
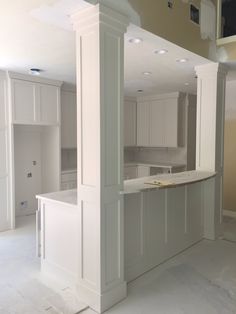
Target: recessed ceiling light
186, 84
35, 71
135, 40
182, 60
161, 51
147, 73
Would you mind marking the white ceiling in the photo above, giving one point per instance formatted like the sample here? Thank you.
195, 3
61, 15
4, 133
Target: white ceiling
38, 34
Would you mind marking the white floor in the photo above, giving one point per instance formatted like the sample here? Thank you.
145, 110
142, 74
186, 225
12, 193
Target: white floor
202, 280
22, 289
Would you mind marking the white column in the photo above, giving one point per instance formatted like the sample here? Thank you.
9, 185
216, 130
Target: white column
210, 141
100, 80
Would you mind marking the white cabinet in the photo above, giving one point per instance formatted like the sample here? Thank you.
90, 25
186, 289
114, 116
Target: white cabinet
157, 123
34, 102
136, 171
130, 122
23, 101
159, 120
68, 119
49, 101
143, 124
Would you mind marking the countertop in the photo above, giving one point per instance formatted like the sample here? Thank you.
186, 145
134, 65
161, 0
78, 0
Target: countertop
69, 197
174, 179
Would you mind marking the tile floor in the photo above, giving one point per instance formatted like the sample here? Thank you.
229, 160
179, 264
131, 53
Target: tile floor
22, 289
201, 280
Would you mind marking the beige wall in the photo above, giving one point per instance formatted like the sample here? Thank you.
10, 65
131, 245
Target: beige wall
230, 148
172, 24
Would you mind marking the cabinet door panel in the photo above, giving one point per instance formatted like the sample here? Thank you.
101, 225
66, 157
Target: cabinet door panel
157, 123
68, 120
143, 124
49, 104
23, 102
130, 118
171, 125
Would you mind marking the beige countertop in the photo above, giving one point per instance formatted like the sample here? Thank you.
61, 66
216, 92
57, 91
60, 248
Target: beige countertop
168, 180
69, 197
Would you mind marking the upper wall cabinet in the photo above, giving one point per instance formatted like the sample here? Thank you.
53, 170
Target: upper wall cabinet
34, 101
159, 120
130, 121
68, 119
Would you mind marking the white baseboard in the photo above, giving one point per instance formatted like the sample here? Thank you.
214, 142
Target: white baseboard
229, 213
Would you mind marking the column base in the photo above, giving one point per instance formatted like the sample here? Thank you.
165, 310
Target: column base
101, 303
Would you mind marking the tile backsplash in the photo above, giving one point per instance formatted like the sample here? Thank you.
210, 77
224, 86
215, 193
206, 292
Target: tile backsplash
151, 154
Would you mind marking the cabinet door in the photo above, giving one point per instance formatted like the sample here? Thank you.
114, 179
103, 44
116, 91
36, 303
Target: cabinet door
49, 99
157, 123
130, 118
143, 124
171, 123
68, 120
23, 102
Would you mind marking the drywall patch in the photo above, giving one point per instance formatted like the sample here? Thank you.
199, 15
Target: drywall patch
59, 13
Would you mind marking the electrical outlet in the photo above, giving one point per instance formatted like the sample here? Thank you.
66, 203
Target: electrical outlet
23, 205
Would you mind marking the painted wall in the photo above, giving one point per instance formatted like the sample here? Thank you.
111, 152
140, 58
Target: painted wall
27, 146
230, 148
172, 24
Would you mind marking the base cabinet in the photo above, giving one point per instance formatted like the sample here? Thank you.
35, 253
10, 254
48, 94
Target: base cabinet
160, 224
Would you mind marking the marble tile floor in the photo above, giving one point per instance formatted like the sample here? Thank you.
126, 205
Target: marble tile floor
201, 280
229, 228
22, 289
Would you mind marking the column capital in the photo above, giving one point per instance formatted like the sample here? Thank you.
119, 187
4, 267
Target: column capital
211, 69
99, 14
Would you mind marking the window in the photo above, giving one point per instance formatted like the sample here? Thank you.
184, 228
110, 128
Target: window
194, 14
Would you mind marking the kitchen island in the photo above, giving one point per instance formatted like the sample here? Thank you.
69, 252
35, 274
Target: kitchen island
163, 215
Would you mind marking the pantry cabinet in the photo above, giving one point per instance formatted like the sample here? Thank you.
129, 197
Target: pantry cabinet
34, 101
159, 120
